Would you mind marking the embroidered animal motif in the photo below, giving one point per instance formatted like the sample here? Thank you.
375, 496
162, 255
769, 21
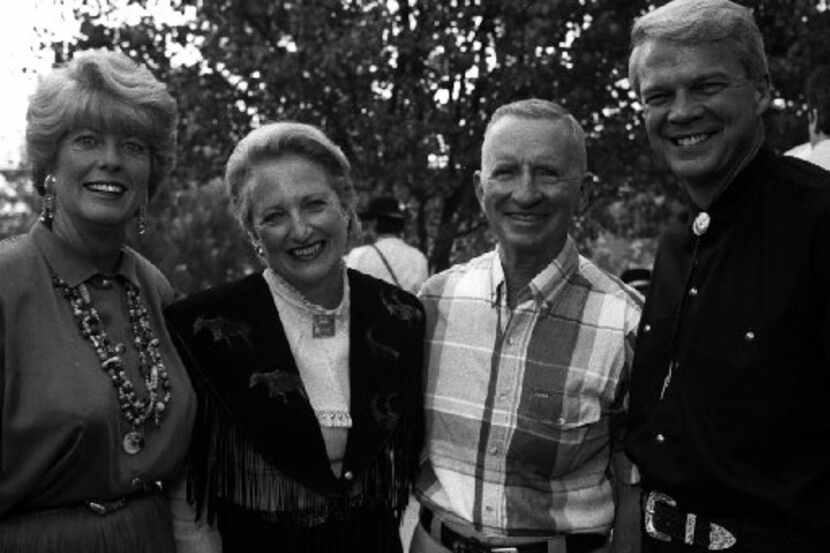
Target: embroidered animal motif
386, 410
379, 349
222, 329
398, 308
278, 384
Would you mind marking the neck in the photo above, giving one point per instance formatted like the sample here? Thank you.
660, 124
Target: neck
704, 196
100, 244
328, 293
520, 268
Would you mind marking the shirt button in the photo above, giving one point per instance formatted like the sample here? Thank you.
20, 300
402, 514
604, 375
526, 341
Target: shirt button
647, 328
488, 508
560, 420
660, 438
348, 475
692, 291
510, 341
749, 336
106, 282
494, 450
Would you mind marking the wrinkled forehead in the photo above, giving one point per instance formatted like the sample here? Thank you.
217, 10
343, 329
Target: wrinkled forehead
517, 138
665, 62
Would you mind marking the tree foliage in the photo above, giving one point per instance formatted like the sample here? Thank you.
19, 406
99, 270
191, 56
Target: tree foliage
405, 87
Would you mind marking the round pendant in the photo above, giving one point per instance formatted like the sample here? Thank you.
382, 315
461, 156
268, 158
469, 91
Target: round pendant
701, 223
133, 442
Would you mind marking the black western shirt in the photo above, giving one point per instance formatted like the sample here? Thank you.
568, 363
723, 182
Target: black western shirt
740, 311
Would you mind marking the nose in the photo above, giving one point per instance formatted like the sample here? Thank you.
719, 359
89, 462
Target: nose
300, 229
526, 191
684, 107
110, 154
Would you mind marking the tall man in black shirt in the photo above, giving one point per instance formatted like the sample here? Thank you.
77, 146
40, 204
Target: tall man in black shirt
731, 380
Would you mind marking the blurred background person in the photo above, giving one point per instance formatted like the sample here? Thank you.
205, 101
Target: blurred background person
308, 374
817, 150
389, 258
95, 407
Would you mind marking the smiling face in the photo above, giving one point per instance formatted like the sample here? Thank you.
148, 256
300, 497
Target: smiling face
101, 179
702, 112
300, 223
529, 185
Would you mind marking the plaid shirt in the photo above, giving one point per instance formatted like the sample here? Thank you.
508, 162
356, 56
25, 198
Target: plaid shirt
523, 406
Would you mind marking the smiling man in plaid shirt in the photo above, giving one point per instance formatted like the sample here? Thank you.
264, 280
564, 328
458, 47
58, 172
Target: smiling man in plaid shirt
529, 350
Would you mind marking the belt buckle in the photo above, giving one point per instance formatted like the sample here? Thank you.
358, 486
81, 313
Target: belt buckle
652, 499
504, 550
718, 537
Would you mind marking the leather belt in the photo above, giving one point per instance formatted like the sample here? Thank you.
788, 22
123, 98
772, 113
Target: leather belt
457, 543
665, 522
106, 507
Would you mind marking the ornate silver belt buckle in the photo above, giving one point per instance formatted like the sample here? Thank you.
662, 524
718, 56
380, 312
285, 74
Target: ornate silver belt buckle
718, 539
652, 499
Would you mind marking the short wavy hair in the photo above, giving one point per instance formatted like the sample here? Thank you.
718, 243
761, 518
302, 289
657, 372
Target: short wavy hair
695, 22
274, 140
103, 90
536, 108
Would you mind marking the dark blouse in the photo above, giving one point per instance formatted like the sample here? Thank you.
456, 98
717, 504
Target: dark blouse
742, 313
61, 427
258, 460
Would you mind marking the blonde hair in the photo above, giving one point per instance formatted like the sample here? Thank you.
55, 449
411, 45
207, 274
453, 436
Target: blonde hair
103, 90
695, 22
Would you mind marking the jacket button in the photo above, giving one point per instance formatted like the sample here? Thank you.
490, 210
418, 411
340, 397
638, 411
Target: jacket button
660, 438
348, 475
749, 336
647, 328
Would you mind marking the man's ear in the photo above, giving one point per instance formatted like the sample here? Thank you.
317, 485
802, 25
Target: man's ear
478, 187
584, 192
763, 94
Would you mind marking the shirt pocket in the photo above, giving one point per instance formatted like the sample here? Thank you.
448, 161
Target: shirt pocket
562, 410
561, 428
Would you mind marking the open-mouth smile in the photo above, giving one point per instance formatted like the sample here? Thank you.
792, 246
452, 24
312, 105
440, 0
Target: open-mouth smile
689, 140
305, 253
109, 188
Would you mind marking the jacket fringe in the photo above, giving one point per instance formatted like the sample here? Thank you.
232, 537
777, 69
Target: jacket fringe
225, 467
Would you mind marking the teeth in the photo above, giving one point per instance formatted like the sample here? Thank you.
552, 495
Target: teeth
691, 140
106, 187
525, 216
307, 251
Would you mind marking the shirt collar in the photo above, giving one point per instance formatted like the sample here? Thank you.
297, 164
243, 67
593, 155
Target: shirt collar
70, 264
544, 285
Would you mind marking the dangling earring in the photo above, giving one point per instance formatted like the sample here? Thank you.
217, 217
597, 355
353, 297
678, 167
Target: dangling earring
257, 245
47, 206
141, 219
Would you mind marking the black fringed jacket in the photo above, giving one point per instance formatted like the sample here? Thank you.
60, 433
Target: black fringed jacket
258, 462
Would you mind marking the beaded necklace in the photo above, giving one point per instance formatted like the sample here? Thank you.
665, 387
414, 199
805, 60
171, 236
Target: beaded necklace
135, 410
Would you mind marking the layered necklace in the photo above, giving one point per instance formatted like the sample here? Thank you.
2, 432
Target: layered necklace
135, 410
